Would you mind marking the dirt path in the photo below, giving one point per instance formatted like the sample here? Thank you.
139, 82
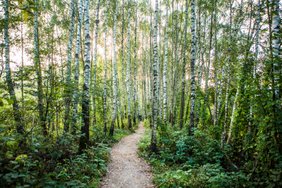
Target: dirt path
126, 169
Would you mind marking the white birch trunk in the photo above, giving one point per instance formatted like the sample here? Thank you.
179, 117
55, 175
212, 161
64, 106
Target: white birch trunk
95, 61
84, 139
76, 71
165, 68
155, 80
192, 66
128, 67
114, 65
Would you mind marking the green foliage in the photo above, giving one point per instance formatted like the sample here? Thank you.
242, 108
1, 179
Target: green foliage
55, 164
205, 176
190, 161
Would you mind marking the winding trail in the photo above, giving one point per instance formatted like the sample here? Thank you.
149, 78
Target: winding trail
126, 169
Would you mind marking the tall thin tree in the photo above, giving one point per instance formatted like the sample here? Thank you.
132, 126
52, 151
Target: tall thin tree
68, 84
37, 64
155, 79
114, 72
84, 139
192, 67
9, 80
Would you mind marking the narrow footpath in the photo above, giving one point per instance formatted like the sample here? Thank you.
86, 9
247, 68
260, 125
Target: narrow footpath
126, 169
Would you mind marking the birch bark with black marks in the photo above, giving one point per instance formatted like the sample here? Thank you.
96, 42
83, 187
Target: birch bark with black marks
84, 139
192, 67
128, 67
95, 61
76, 69
165, 67
155, 80
114, 72
68, 84
276, 66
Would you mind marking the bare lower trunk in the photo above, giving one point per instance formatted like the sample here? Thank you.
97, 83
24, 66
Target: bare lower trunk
155, 78
192, 66
84, 139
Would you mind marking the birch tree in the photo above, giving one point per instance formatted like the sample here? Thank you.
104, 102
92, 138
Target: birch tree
84, 139
114, 72
95, 61
192, 67
135, 66
123, 74
77, 66
68, 88
276, 58
105, 67
165, 66
182, 104
155, 79
9, 80
128, 68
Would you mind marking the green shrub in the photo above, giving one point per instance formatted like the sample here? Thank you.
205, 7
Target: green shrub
189, 161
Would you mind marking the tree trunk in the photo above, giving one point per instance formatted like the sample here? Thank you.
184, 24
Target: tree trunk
122, 64
182, 104
165, 67
105, 68
128, 68
155, 78
95, 62
37, 63
84, 139
135, 68
68, 87
9, 80
233, 114
192, 66
77, 72
114, 65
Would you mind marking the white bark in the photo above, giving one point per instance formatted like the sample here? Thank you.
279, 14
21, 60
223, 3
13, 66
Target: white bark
105, 67
192, 66
84, 139
135, 100
276, 53
128, 67
68, 83
165, 68
114, 65
77, 72
233, 115
95, 61
155, 80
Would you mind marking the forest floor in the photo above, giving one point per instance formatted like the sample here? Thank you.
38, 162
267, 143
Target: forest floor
126, 169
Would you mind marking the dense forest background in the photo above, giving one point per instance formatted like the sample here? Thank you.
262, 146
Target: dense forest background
204, 76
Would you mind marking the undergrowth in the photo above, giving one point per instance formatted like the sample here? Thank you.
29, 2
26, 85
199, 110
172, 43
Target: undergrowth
190, 161
55, 163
